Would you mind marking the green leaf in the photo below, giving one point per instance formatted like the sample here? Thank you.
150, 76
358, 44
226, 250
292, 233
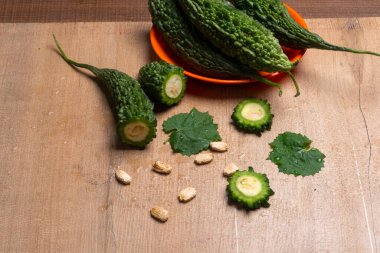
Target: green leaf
292, 154
191, 132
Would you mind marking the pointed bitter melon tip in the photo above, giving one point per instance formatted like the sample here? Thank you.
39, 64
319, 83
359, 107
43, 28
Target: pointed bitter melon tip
60, 50
61, 53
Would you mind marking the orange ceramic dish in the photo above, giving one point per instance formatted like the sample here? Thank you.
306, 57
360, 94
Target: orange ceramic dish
165, 54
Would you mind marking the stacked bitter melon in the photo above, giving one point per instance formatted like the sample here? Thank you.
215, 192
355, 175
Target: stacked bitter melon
237, 35
192, 48
188, 44
202, 49
220, 39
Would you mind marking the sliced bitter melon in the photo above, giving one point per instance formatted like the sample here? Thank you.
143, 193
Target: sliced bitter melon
249, 189
253, 115
163, 82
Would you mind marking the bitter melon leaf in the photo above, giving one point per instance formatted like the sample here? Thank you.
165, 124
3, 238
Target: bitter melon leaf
191, 132
293, 154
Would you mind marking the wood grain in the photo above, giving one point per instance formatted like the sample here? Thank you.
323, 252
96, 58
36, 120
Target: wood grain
58, 151
27, 11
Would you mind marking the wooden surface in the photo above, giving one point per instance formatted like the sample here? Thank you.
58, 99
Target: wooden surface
58, 151
132, 10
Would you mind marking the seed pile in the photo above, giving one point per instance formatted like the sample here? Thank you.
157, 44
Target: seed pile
187, 194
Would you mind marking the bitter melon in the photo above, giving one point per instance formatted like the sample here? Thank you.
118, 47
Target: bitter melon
136, 122
274, 15
253, 115
163, 82
191, 47
249, 189
238, 35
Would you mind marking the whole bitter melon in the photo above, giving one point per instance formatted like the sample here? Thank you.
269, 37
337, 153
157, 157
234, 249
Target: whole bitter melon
163, 82
253, 115
249, 189
274, 16
191, 47
238, 35
136, 122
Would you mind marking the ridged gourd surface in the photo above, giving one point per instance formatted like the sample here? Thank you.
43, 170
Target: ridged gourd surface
129, 103
237, 34
274, 16
163, 82
188, 45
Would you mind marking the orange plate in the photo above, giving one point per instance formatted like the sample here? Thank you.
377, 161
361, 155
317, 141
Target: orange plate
165, 54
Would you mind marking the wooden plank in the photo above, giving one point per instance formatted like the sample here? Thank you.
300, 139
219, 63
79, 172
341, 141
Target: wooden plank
120, 10
58, 151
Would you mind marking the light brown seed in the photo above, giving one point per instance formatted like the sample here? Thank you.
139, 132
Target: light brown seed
203, 158
219, 146
159, 213
161, 167
123, 177
187, 194
230, 169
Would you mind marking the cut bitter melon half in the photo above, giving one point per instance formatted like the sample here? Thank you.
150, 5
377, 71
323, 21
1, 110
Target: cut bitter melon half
136, 122
163, 82
249, 189
253, 115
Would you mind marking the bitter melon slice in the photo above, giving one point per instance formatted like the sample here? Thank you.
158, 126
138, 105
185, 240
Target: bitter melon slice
249, 189
253, 115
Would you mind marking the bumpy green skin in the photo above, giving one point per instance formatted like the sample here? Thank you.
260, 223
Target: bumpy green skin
153, 78
131, 104
237, 35
256, 127
274, 16
193, 49
188, 45
130, 101
249, 202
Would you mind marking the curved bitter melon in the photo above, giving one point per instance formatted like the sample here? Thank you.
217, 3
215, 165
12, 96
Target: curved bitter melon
253, 115
136, 122
191, 47
274, 16
163, 82
249, 189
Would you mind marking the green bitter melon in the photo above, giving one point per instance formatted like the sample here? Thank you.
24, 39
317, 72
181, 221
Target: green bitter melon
192, 48
253, 115
249, 189
163, 82
274, 15
136, 122
238, 35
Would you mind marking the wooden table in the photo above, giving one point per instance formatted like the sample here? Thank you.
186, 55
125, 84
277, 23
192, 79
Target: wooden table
58, 144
